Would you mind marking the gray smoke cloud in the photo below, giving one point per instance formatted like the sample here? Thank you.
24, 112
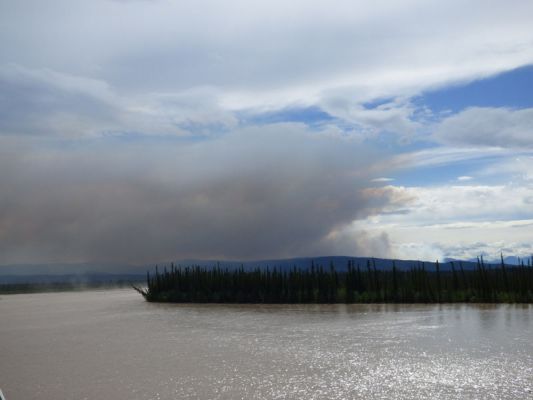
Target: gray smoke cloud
267, 191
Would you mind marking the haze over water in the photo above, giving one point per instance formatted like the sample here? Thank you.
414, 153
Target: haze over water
113, 345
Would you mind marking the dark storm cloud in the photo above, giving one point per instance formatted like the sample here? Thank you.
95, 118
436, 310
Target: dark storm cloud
271, 191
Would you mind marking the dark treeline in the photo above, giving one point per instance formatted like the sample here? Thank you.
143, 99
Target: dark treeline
488, 283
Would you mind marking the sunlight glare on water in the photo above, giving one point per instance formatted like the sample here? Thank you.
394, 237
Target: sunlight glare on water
112, 344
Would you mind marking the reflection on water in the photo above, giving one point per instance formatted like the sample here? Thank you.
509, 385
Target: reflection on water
113, 345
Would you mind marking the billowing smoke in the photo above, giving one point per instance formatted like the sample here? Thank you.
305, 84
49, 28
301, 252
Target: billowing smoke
270, 191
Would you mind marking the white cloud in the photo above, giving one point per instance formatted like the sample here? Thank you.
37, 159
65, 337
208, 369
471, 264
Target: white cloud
271, 53
44, 102
465, 250
464, 178
501, 127
382, 180
394, 117
443, 221
516, 168
445, 156
170, 66
441, 204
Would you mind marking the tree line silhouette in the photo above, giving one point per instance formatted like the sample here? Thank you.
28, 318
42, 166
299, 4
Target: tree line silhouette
487, 283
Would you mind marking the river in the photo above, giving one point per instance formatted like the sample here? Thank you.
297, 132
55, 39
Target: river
113, 345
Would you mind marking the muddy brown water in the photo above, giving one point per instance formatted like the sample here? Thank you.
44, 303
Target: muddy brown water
113, 345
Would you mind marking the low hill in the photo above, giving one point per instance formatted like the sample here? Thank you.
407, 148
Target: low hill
109, 272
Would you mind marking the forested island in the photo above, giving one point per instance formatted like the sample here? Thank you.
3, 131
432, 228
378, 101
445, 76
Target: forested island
487, 283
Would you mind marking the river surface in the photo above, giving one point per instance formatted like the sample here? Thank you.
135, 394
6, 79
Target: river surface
113, 345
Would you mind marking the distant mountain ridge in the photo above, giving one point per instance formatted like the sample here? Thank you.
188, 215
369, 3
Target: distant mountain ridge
339, 262
109, 272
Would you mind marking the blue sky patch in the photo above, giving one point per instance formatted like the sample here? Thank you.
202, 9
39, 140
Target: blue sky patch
512, 89
307, 115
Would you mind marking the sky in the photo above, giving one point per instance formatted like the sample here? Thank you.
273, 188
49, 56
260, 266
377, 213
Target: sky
139, 131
